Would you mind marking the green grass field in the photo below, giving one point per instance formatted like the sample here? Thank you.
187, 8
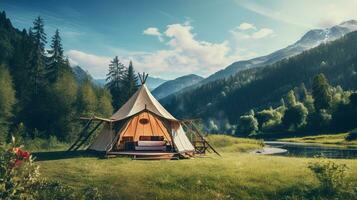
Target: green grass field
329, 139
235, 175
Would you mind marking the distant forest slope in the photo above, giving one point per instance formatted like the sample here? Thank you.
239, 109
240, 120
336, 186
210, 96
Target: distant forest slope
262, 87
172, 86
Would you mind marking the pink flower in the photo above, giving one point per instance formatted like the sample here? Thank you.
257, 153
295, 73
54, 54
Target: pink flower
17, 163
25, 154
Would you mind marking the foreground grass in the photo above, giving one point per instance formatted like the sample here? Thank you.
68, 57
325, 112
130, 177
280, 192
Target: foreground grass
232, 176
335, 139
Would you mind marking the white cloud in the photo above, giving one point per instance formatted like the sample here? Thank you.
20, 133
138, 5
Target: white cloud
96, 65
246, 26
249, 31
262, 33
154, 32
304, 14
184, 54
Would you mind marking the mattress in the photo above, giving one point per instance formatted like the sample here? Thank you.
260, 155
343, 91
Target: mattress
150, 148
151, 143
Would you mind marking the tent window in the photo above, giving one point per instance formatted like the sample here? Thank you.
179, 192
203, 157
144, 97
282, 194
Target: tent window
144, 121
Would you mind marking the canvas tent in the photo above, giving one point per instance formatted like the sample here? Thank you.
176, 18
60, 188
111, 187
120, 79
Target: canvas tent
142, 123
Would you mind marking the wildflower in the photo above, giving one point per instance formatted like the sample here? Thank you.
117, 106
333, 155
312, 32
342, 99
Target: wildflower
18, 163
25, 155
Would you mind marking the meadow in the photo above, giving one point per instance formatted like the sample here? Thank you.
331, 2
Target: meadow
237, 174
325, 139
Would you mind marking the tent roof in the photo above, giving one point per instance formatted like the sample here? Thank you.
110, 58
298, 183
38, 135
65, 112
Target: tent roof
141, 100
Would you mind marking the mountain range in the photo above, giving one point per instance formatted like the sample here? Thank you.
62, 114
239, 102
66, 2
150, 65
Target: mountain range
260, 87
255, 84
309, 40
172, 86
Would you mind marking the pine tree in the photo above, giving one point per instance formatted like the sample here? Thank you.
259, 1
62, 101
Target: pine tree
36, 61
130, 81
321, 92
115, 82
56, 61
34, 105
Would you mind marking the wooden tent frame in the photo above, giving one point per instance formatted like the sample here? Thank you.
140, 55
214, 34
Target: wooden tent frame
143, 77
85, 134
201, 145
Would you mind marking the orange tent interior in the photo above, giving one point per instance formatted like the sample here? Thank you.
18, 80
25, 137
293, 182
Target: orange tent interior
144, 127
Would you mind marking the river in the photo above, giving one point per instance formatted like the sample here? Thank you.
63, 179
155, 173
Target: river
313, 150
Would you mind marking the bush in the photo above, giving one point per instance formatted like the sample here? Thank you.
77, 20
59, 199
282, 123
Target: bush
20, 179
352, 135
18, 174
331, 177
247, 125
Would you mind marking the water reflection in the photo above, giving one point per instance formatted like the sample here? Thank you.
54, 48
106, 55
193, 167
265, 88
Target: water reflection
312, 150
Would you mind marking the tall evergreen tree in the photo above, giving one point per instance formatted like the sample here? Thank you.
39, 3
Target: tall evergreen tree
34, 105
130, 81
321, 92
56, 61
36, 62
115, 82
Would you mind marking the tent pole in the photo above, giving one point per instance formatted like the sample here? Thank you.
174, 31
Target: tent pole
196, 130
89, 134
81, 134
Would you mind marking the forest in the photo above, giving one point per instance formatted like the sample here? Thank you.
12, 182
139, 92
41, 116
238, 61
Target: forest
222, 103
40, 96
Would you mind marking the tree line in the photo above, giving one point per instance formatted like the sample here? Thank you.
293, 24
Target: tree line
323, 109
40, 96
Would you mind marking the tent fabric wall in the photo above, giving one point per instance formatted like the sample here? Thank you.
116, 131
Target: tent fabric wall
104, 139
142, 100
182, 143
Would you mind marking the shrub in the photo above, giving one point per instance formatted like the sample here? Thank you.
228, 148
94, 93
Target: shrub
247, 125
331, 177
20, 179
18, 174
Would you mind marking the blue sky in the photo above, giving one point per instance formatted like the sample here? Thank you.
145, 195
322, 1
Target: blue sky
172, 38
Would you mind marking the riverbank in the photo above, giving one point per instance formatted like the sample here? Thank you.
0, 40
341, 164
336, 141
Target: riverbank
327, 139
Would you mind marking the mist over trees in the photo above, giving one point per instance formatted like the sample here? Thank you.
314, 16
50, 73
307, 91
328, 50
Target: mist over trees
39, 93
